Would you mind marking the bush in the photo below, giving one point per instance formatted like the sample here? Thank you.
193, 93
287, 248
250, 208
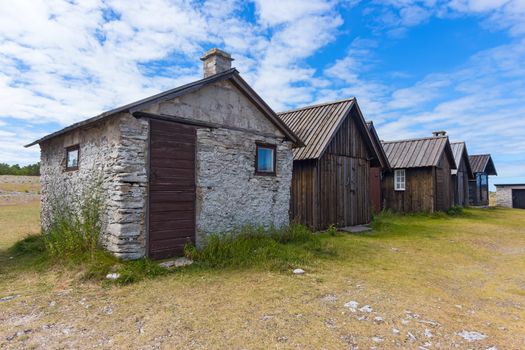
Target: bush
455, 210
251, 246
75, 231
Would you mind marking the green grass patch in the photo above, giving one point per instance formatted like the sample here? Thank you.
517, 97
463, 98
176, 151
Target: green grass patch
268, 249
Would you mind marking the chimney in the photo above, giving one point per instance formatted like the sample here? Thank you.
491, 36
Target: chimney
439, 133
216, 61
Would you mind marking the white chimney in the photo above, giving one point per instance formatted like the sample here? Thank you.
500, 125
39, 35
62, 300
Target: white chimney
439, 133
216, 61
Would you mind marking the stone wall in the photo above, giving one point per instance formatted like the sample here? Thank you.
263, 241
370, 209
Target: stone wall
504, 195
113, 153
229, 194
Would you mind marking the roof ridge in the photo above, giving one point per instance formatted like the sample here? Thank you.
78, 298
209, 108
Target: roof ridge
317, 105
457, 142
416, 139
480, 155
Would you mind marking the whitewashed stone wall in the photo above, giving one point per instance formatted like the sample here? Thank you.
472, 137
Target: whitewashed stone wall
114, 153
229, 194
504, 195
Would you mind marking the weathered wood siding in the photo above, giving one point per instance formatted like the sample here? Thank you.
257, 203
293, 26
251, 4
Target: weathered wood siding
443, 187
375, 189
418, 194
460, 183
336, 188
304, 204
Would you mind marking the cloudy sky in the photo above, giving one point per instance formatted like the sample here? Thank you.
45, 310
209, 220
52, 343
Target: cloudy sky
414, 65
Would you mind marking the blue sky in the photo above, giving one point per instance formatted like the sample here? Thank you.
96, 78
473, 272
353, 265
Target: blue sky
414, 66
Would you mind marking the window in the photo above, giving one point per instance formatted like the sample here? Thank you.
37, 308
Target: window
399, 180
265, 159
72, 157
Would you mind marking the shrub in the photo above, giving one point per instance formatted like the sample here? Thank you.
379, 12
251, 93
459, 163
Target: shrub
455, 210
332, 230
76, 230
258, 247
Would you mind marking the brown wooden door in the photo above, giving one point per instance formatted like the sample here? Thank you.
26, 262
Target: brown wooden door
171, 188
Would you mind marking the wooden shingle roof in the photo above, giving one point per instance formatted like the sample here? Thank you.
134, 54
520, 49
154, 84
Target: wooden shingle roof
459, 149
315, 125
482, 163
417, 153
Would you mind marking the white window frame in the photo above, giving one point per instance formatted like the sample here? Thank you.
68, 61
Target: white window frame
399, 180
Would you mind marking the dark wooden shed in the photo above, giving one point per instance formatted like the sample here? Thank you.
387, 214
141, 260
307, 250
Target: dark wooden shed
482, 166
421, 178
377, 172
461, 175
331, 174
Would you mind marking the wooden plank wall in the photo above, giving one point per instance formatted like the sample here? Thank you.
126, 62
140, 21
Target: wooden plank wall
418, 194
460, 182
304, 196
444, 186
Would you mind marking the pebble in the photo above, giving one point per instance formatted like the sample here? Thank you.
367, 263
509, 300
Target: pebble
266, 317
329, 298
428, 333
9, 297
298, 272
411, 337
352, 305
366, 308
472, 335
396, 331
179, 262
377, 339
379, 319
112, 276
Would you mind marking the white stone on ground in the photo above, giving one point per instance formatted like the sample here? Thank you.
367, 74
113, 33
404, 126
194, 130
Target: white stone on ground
9, 297
329, 298
112, 276
377, 339
366, 308
472, 335
379, 319
179, 262
396, 331
428, 333
352, 305
298, 271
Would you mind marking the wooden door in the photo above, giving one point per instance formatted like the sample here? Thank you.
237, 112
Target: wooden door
518, 199
171, 188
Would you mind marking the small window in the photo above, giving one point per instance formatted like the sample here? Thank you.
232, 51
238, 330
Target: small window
399, 180
265, 159
72, 157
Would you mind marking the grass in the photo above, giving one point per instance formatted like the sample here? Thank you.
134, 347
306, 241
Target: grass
462, 271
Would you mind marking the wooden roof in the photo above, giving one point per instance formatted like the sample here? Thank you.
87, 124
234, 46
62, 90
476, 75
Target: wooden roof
377, 143
482, 163
418, 153
459, 149
316, 126
231, 74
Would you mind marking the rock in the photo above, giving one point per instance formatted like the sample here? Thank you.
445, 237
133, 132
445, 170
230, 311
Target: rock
379, 319
266, 317
179, 262
108, 310
366, 308
396, 331
411, 337
329, 298
352, 305
9, 297
405, 322
471, 336
52, 303
298, 272
430, 322
492, 348
377, 339
112, 276
282, 339
167, 264
428, 333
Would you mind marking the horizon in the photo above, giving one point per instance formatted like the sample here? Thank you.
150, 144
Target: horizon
414, 66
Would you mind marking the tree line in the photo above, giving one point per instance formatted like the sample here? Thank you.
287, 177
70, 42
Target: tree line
31, 169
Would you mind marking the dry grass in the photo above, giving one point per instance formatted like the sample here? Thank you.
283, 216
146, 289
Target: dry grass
465, 273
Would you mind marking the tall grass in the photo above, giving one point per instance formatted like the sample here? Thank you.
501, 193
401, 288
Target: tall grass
76, 224
257, 247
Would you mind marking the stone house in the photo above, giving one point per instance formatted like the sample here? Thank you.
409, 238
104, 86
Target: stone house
420, 180
510, 195
202, 158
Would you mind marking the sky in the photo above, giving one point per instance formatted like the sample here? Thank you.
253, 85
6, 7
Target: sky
415, 66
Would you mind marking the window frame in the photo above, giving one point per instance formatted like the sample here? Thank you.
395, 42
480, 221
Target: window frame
401, 188
69, 149
259, 145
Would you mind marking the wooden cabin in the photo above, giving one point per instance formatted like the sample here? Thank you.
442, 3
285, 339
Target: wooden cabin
482, 166
461, 175
420, 179
377, 172
331, 174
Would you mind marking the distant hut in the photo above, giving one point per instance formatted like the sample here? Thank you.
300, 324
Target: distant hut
461, 175
331, 174
377, 172
482, 166
420, 179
